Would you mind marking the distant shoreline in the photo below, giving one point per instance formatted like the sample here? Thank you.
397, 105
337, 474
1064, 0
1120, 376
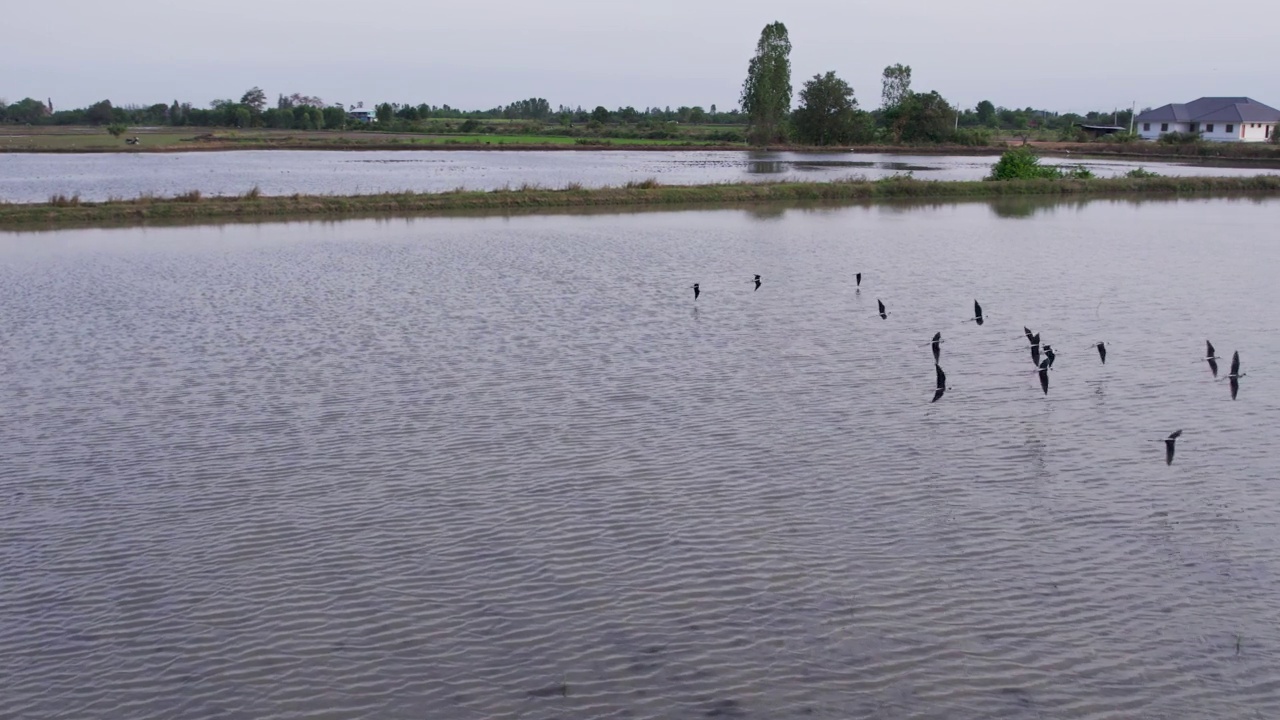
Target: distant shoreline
193, 207
1057, 150
84, 140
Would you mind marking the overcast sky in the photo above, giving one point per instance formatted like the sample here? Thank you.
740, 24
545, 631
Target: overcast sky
1072, 56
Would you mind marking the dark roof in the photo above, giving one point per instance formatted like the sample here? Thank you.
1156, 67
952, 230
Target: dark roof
1213, 109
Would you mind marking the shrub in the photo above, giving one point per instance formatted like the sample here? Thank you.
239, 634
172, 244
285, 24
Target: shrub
977, 137
646, 184
1078, 172
188, 196
254, 193
1140, 173
61, 200
117, 129
1180, 138
1021, 163
1120, 137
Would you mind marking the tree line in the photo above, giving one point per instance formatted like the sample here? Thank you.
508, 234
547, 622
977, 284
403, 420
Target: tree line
828, 112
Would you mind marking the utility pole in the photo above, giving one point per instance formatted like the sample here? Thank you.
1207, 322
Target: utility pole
1133, 110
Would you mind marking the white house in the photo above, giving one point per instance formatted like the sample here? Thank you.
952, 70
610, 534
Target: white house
1225, 119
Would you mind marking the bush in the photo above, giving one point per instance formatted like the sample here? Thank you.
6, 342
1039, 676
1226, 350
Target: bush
977, 137
1078, 172
1140, 173
1180, 138
1120, 137
117, 129
1021, 163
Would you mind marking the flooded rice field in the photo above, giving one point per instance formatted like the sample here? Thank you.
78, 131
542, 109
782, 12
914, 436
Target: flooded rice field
508, 467
96, 177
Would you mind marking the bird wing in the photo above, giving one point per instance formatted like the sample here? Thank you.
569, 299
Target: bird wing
942, 377
1102, 352
1235, 363
1235, 387
881, 304
937, 336
1209, 351
977, 309
1213, 365
938, 395
1027, 330
1044, 379
1175, 434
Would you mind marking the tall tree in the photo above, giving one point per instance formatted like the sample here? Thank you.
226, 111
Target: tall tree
254, 99
895, 86
766, 93
826, 115
986, 113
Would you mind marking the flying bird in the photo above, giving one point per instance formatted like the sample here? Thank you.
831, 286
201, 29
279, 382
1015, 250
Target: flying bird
1102, 351
1235, 374
1044, 375
942, 383
883, 315
977, 313
937, 348
1035, 344
1211, 356
758, 282
696, 291
1049, 355
1168, 446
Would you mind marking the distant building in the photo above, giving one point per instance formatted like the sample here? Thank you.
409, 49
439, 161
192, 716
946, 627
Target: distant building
360, 114
1100, 130
1224, 119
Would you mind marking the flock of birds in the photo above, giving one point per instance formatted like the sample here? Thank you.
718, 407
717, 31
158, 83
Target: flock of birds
1042, 356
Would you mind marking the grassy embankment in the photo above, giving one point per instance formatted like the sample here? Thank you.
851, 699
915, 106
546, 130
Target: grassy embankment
93, 140
71, 212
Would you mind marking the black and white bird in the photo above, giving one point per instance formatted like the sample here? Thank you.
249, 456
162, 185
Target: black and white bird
977, 313
695, 291
883, 314
1211, 356
936, 343
1168, 446
1035, 345
1235, 374
942, 383
1049, 355
757, 281
1102, 351
1044, 375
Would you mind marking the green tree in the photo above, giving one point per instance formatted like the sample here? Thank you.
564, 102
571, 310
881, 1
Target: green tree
827, 111
601, 114
986, 113
117, 129
335, 117
766, 93
99, 113
385, 112
254, 99
895, 86
922, 117
241, 117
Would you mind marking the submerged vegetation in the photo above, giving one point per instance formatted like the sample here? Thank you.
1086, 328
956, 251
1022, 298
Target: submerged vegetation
253, 205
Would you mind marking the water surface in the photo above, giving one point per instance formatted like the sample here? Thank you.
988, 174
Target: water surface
507, 467
34, 177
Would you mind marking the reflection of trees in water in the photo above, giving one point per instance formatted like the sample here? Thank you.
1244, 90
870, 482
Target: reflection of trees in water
766, 167
767, 212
